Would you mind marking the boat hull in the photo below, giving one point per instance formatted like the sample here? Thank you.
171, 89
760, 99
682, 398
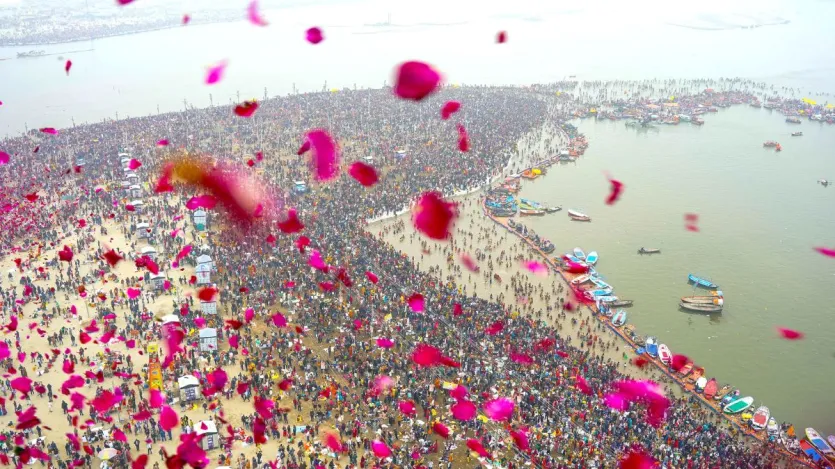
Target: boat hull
738, 405
701, 308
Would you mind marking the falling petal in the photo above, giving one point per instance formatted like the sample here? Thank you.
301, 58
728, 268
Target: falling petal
314, 35
380, 449
616, 401
4, 157
463, 139
168, 418
789, 334
292, 224
363, 173
520, 439
372, 277
501, 37
415, 81
449, 108
637, 458
476, 446
49, 130
464, 410
825, 251
615, 191
416, 302
582, 385
536, 268
383, 342
441, 430
332, 441
457, 309
494, 328
248, 108
521, 358
425, 355
254, 15
68, 66
215, 73
499, 409
407, 407
433, 215
469, 262
325, 159
186, 19
679, 361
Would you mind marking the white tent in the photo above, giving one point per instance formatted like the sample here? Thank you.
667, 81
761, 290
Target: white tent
200, 219
208, 430
205, 260
208, 307
203, 272
189, 388
149, 251
137, 205
205, 248
132, 177
208, 339
170, 318
142, 230
135, 191
158, 281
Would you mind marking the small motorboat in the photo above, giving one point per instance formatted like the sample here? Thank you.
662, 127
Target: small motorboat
686, 369
608, 300
738, 405
770, 144
591, 258
701, 308
600, 283
821, 444
651, 346
531, 212
649, 251
702, 282
578, 216
552, 209
772, 428
797, 134
664, 354
824, 182
701, 383
703, 300
723, 392
729, 398
811, 453
621, 303
579, 254
581, 279
601, 292
710, 388
793, 120
619, 318
760, 419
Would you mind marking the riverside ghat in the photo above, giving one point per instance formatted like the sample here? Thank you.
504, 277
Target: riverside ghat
577, 270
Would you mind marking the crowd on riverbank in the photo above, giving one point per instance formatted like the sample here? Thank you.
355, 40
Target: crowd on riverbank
326, 371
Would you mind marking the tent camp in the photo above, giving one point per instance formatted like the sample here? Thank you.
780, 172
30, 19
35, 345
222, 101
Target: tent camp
189, 388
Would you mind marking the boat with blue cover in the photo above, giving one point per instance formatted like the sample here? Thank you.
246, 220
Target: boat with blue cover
579, 254
652, 346
820, 444
574, 259
591, 258
602, 292
619, 318
701, 282
607, 299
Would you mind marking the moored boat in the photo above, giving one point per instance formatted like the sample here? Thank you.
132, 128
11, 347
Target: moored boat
701, 308
770, 144
811, 452
686, 369
553, 209
738, 405
581, 279
772, 427
710, 388
722, 392
703, 300
820, 444
797, 134
621, 303
760, 418
619, 318
649, 251
793, 120
664, 354
579, 254
531, 212
701, 282
578, 216
592, 257
696, 374
700, 384
729, 398
651, 346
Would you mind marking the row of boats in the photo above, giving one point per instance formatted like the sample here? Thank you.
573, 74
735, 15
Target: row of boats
502, 203
543, 244
711, 303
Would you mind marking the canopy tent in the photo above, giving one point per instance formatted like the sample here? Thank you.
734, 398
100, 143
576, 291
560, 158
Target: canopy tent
135, 190
170, 319
143, 230
189, 388
200, 219
203, 272
158, 281
208, 339
149, 251
208, 431
208, 307
205, 259
299, 187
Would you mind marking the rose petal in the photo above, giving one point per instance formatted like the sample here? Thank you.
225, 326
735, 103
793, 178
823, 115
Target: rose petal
499, 409
68, 66
441, 430
215, 72
433, 215
416, 302
425, 355
789, 334
825, 251
134, 164
415, 81
314, 35
449, 108
363, 173
463, 139
254, 15
615, 192
536, 268
383, 342
501, 37
325, 158
464, 410
248, 108
380, 449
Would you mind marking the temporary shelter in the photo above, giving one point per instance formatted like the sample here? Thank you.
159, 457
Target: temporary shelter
203, 272
200, 219
149, 251
135, 191
189, 388
170, 319
143, 230
205, 259
208, 307
208, 339
158, 281
208, 431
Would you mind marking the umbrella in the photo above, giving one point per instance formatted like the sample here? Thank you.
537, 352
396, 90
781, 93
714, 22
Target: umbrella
108, 454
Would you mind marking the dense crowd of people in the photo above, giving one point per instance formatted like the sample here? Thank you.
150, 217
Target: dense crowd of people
325, 371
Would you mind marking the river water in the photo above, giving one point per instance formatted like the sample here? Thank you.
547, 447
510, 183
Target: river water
760, 212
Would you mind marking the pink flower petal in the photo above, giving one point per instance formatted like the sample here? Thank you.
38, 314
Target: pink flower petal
415, 81
247, 109
476, 446
332, 441
4, 157
133, 293
254, 15
615, 191
363, 173
637, 458
279, 320
789, 334
67, 66
206, 201
582, 385
441, 430
215, 73
372, 277
383, 342
407, 407
134, 164
464, 410
457, 309
49, 130
449, 108
499, 409
679, 361
433, 215
168, 418
494, 328
380, 449
264, 407
520, 439
186, 19
463, 139
521, 358
291, 224
314, 35
536, 268
425, 355
825, 251
382, 384
325, 159
469, 262
501, 37
416, 302
616, 401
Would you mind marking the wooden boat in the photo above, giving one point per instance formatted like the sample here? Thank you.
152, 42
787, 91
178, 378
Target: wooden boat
729, 398
696, 374
687, 368
609, 299
710, 388
790, 443
619, 318
531, 212
664, 354
581, 279
579, 254
811, 452
556, 208
592, 257
797, 134
738, 405
723, 392
649, 251
772, 427
651, 346
601, 292
831, 440
600, 283
760, 419
578, 216
701, 282
621, 303
820, 444
701, 308
573, 259
700, 384
703, 300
